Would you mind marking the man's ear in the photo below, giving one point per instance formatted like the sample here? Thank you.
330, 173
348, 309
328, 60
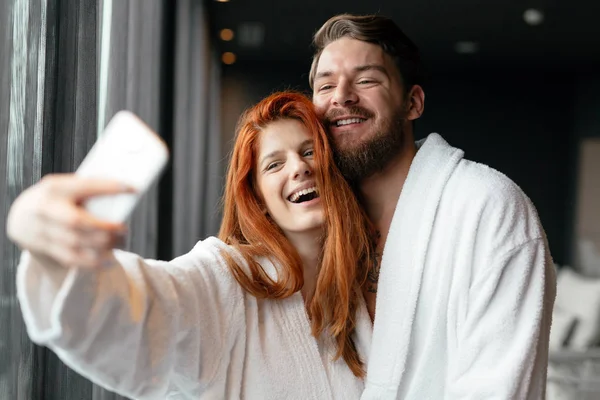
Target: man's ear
415, 102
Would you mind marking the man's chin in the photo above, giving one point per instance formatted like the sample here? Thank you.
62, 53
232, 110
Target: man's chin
363, 159
349, 151
350, 141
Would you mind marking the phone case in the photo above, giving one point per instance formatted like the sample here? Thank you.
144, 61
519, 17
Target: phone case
127, 151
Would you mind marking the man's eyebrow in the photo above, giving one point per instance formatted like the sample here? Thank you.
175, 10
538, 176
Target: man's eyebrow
369, 67
323, 74
360, 68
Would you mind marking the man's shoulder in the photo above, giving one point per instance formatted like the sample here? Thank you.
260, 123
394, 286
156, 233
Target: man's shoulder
477, 181
501, 205
471, 180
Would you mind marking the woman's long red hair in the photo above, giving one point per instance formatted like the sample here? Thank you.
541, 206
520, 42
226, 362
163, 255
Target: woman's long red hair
347, 236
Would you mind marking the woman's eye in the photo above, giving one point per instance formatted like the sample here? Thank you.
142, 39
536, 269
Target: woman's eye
273, 165
309, 153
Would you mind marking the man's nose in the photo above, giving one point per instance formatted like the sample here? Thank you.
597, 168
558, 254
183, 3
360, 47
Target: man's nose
344, 95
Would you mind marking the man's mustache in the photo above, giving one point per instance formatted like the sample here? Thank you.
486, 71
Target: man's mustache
355, 111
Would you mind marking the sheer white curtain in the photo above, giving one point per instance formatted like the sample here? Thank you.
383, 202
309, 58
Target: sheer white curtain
130, 65
47, 124
185, 112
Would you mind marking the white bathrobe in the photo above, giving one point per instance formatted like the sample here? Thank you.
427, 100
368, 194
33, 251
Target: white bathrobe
183, 329
466, 287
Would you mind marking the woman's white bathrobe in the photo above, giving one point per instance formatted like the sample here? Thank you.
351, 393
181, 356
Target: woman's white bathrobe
466, 287
183, 329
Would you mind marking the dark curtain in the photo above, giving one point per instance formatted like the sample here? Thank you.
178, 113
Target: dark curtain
198, 166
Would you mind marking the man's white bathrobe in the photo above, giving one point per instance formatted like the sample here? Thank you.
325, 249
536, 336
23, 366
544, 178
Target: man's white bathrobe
183, 330
466, 288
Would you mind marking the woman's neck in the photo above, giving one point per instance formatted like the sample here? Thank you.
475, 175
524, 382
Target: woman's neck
309, 246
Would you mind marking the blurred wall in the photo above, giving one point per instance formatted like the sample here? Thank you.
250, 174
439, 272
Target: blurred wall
585, 233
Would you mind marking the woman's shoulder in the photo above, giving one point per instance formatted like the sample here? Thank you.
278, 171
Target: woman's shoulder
221, 251
212, 244
210, 254
215, 254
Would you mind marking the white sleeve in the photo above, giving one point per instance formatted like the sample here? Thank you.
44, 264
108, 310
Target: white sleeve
503, 343
136, 327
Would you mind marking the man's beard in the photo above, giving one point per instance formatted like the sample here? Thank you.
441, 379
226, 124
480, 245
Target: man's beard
370, 156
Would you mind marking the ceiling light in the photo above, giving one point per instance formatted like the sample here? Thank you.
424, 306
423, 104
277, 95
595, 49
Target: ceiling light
222, 1
466, 47
533, 17
226, 34
228, 58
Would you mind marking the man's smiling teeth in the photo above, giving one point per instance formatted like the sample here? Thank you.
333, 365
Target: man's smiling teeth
295, 196
349, 121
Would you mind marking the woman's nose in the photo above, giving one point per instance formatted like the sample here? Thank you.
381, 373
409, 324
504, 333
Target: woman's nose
302, 168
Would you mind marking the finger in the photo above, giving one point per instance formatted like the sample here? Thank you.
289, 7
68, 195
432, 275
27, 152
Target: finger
72, 257
80, 188
99, 240
102, 240
92, 258
63, 247
87, 258
74, 217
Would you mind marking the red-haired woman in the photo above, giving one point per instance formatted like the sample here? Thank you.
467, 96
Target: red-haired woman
272, 309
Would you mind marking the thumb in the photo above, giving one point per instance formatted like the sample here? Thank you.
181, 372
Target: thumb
80, 188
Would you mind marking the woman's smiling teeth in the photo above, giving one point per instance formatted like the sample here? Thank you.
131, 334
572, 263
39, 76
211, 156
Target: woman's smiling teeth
349, 121
304, 195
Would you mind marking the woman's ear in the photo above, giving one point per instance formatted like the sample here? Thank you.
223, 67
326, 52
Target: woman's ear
259, 199
262, 206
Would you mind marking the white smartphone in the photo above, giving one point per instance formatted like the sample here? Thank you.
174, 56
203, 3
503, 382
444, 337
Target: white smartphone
127, 151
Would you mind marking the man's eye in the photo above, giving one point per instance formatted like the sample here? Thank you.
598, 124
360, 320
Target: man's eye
365, 82
325, 87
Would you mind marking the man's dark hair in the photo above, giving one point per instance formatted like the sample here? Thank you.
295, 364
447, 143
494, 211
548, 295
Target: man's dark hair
374, 29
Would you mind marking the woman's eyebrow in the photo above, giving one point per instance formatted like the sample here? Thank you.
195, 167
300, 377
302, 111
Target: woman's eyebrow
270, 155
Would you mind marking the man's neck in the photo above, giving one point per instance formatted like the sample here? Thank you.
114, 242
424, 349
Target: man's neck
380, 192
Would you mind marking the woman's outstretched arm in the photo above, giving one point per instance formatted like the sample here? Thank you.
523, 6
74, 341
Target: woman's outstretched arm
134, 326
